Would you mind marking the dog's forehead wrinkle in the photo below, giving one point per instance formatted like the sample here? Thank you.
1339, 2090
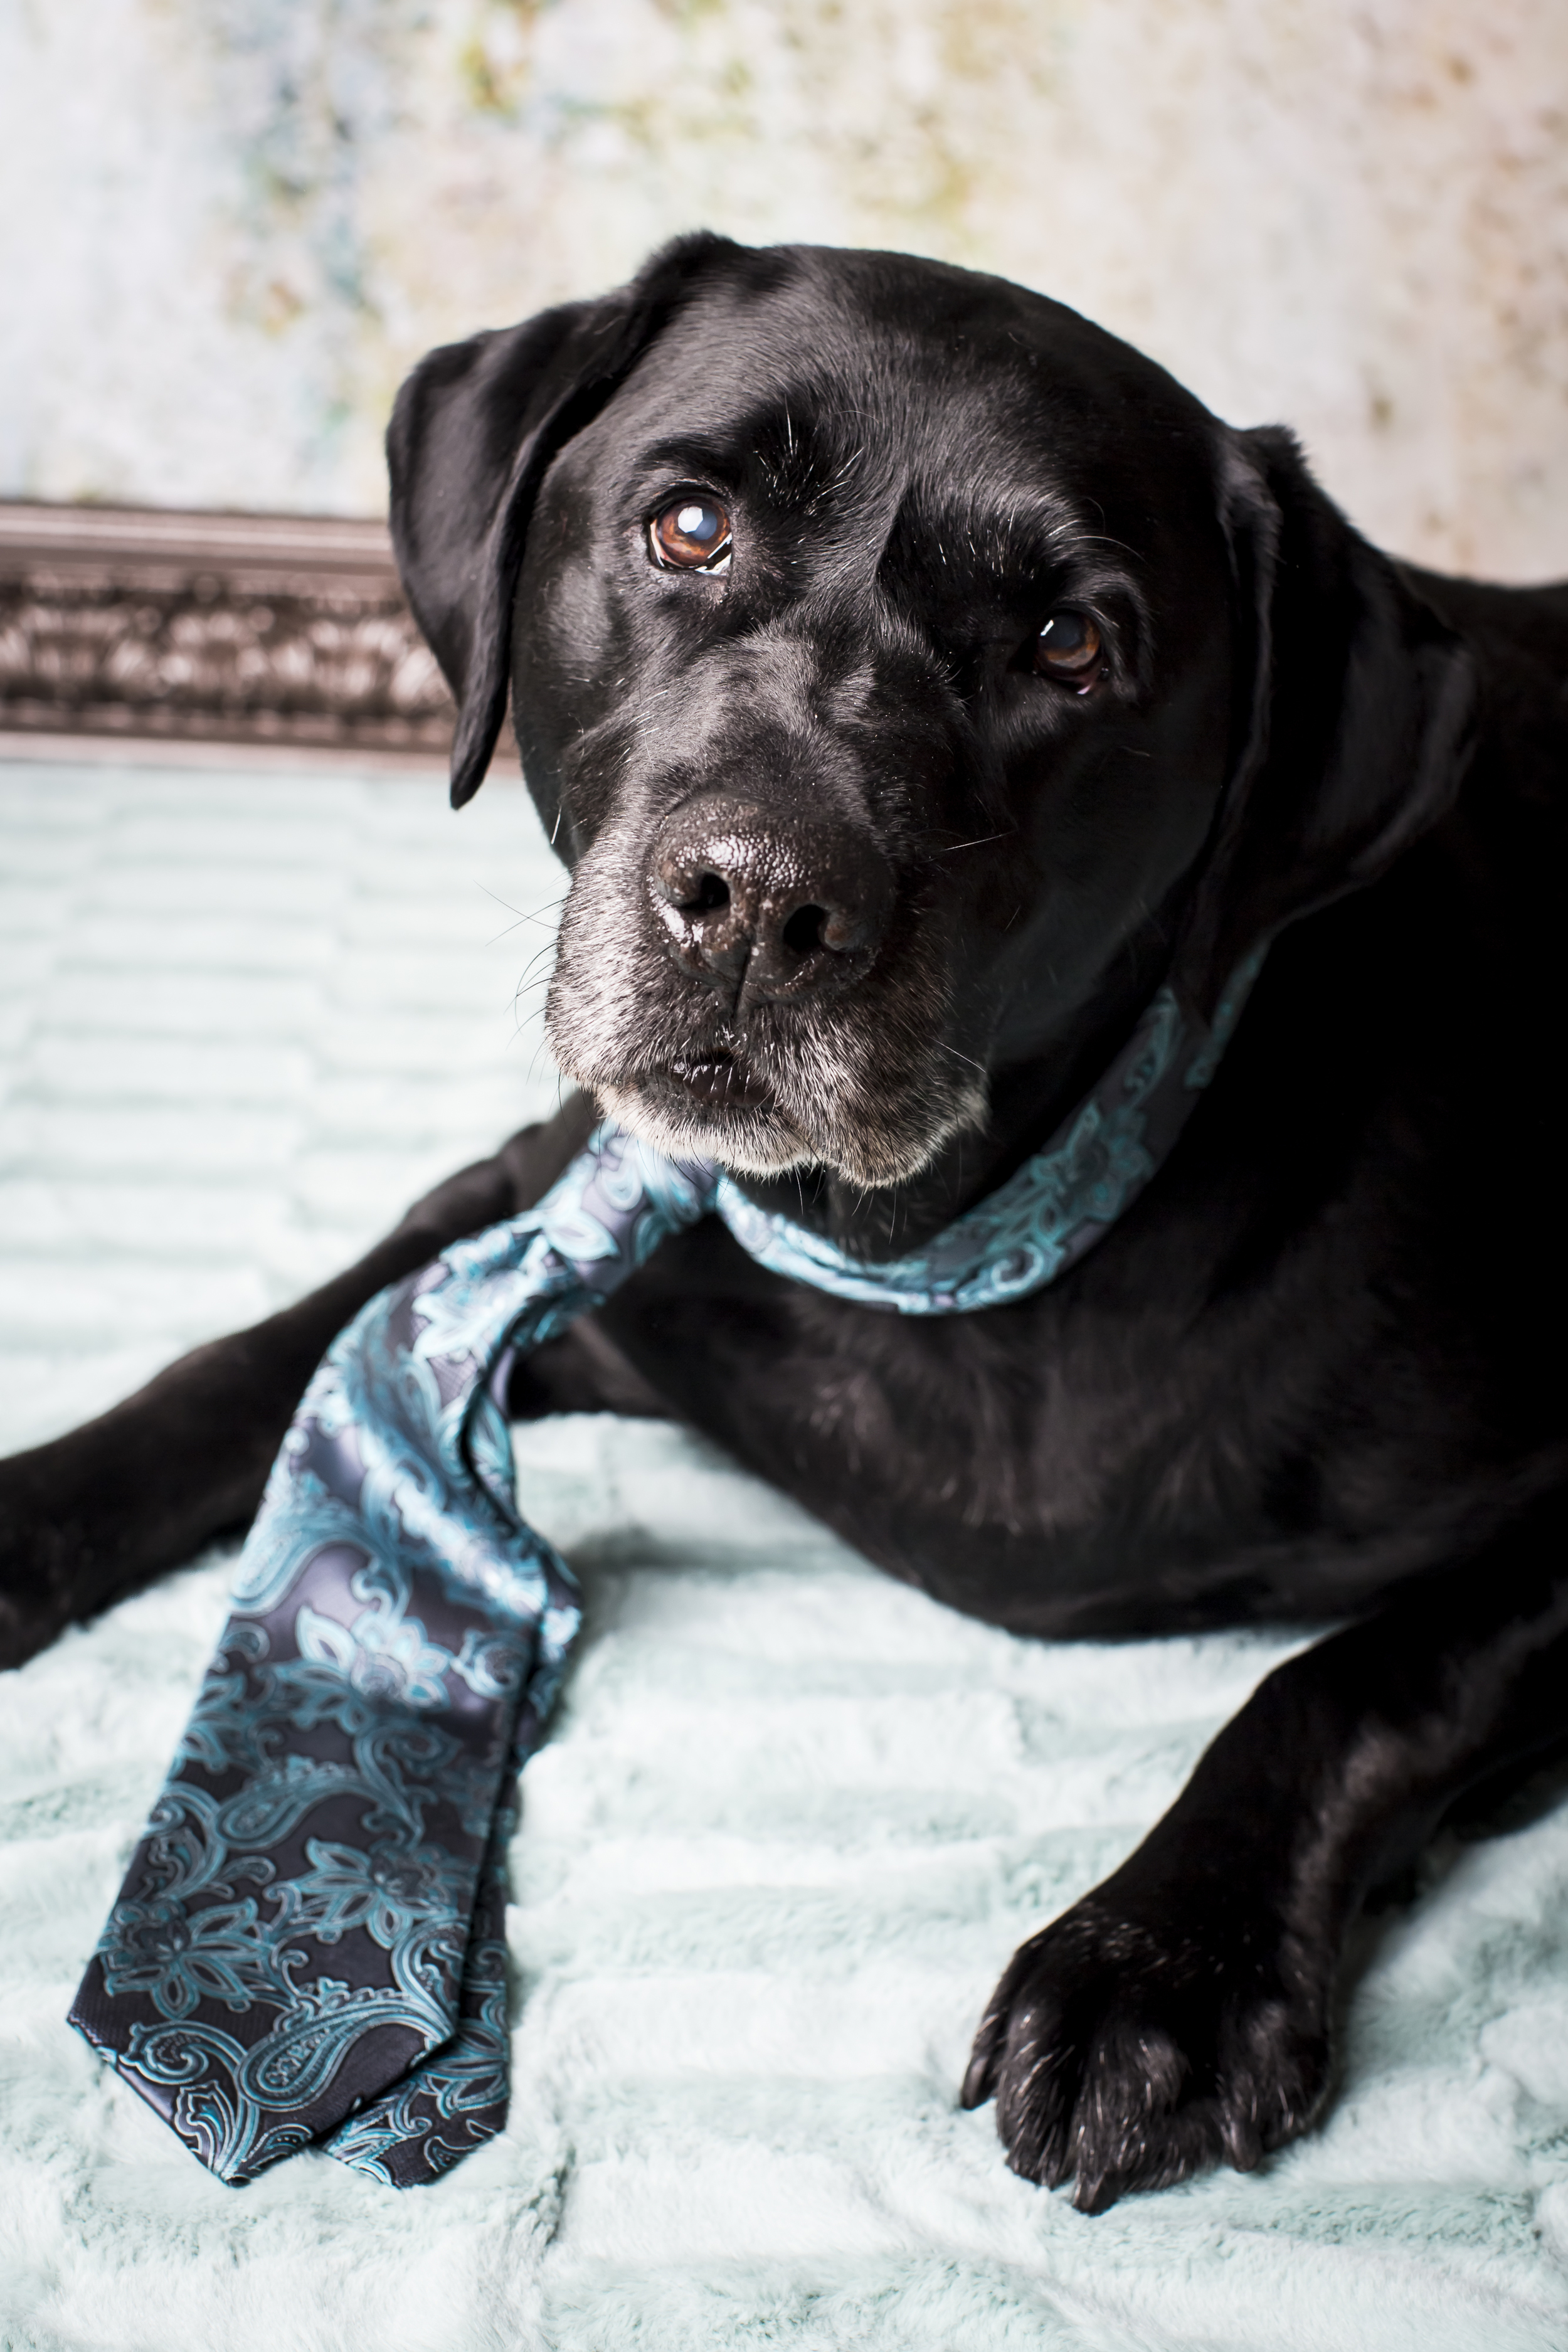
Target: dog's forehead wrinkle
803, 440
809, 403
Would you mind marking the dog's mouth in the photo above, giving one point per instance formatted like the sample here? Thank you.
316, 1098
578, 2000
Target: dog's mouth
717, 1079
715, 1100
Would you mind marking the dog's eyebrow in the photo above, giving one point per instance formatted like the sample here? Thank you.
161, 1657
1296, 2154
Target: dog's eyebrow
796, 461
702, 460
1027, 531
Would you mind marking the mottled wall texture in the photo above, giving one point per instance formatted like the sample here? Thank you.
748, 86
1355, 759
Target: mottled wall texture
226, 227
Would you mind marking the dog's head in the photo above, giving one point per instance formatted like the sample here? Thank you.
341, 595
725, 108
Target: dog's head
906, 669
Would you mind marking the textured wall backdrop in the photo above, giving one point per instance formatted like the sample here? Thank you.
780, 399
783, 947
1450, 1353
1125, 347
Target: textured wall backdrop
228, 226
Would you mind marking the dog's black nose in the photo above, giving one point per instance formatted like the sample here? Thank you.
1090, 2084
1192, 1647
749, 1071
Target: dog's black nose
762, 904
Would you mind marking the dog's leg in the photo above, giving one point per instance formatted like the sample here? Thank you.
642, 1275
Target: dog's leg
1179, 2015
95, 1514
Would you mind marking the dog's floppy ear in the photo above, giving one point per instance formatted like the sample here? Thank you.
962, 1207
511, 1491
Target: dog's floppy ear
472, 432
1360, 711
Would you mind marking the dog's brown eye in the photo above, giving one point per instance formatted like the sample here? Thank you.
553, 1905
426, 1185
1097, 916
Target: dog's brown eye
690, 534
1069, 648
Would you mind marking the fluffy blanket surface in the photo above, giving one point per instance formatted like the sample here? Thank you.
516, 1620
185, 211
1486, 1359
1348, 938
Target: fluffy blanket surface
792, 1818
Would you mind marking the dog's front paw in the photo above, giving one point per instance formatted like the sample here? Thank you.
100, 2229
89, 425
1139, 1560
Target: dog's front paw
1137, 2040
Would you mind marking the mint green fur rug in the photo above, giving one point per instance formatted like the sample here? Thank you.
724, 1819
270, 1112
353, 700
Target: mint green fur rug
792, 1818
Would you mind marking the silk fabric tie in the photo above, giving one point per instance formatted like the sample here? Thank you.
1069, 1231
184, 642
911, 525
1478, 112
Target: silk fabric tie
309, 1946
309, 1942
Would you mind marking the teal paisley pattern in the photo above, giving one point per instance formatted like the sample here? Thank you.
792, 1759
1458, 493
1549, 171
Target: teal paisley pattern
309, 1945
449, 2103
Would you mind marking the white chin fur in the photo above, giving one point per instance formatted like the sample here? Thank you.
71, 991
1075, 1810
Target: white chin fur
765, 1143
756, 1142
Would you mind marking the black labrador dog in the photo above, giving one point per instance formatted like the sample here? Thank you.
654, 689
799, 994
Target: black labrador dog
913, 677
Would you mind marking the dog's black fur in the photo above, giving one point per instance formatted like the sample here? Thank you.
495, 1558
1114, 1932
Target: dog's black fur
862, 902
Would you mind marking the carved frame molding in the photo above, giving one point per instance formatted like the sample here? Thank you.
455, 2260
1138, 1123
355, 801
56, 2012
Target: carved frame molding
147, 624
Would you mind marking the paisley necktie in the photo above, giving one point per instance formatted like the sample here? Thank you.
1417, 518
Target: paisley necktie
308, 1946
